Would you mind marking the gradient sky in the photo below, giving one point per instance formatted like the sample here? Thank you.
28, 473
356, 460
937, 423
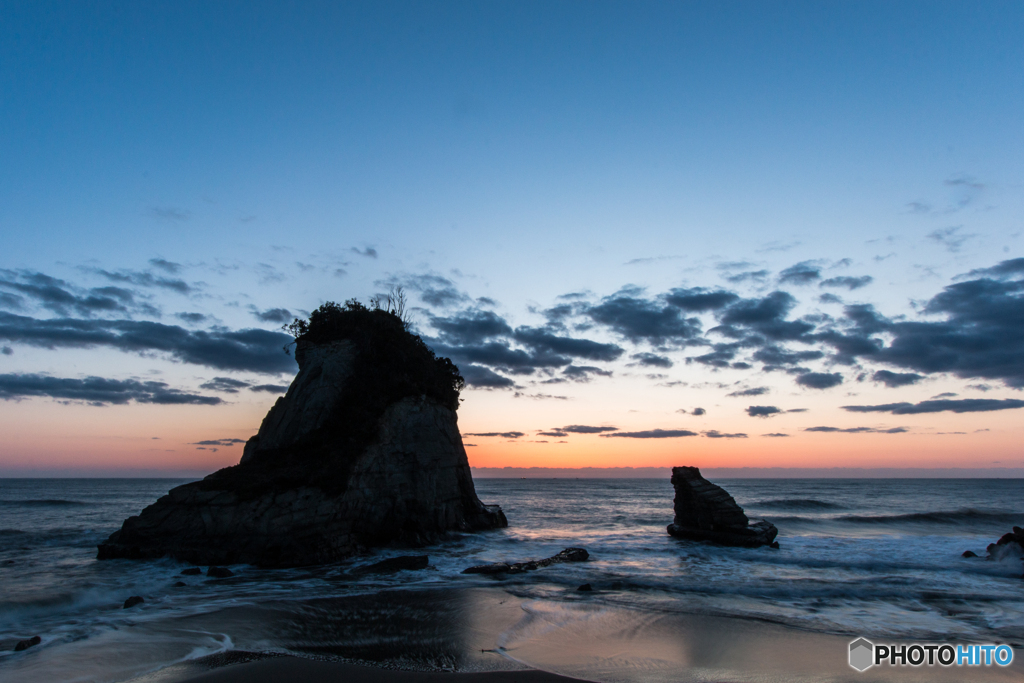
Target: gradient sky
803, 219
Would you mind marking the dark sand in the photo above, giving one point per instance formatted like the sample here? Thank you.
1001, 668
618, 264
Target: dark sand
491, 636
297, 670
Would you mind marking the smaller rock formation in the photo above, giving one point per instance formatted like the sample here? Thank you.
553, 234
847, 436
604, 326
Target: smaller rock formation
192, 571
1010, 545
395, 564
219, 572
567, 555
969, 553
27, 643
133, 601
586, 588
705, 512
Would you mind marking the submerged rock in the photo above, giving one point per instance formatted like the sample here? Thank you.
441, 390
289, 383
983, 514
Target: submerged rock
706, 512
395, 564
969, 553
219, 572
362, 451
133, 601
27, 643
567, 555
192, 571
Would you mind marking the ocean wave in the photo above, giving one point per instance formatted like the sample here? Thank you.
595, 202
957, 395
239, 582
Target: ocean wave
938, 517
796, 504
42, 502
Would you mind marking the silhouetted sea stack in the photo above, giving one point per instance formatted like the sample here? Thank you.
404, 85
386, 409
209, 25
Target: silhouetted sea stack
363, 450
705, 512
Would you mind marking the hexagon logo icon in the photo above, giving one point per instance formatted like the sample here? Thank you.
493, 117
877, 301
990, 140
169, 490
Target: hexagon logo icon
862, 654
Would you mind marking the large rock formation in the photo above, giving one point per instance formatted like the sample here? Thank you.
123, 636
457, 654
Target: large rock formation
705, 512
363, 450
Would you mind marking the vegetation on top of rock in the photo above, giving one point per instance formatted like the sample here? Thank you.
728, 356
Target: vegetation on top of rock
391, 362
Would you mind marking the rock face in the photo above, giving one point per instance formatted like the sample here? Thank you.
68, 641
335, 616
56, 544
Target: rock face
363, 450
705, 512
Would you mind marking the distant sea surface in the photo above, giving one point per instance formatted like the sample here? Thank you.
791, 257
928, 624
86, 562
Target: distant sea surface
871, 557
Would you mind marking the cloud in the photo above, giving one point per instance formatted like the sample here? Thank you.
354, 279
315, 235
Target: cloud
225, 384
747, 276
653, 434
543, 341
144, 278
97, 391
639, 319
859, 430
191, 318
504, 435
484, 378
470, 327
830, 298
62, 297
251, 350
274, 315
776, 245
763, 411
369, 252
165, 265
268, 274
583, 373
269, 388
819, 380
226, 443
651, 360
554, 432
1002, 270
850, 283
435, 290
715, 434
776, 435
802, 273
766, 317
500, 354
963, 405
951, 238
586, 429
755, 391
981, 337
776, 357
698, 412
169, 213
700, 299
896, 379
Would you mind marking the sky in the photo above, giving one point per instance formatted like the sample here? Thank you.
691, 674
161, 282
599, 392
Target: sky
731, 235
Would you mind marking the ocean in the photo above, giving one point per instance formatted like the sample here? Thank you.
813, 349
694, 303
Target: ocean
874, 558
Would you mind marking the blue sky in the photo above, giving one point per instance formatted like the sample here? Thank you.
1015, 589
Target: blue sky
223, 160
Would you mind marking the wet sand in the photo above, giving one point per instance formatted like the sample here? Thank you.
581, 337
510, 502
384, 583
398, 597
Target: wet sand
491, 636
296, 670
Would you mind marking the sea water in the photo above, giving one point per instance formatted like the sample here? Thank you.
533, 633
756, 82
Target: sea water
879, 558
